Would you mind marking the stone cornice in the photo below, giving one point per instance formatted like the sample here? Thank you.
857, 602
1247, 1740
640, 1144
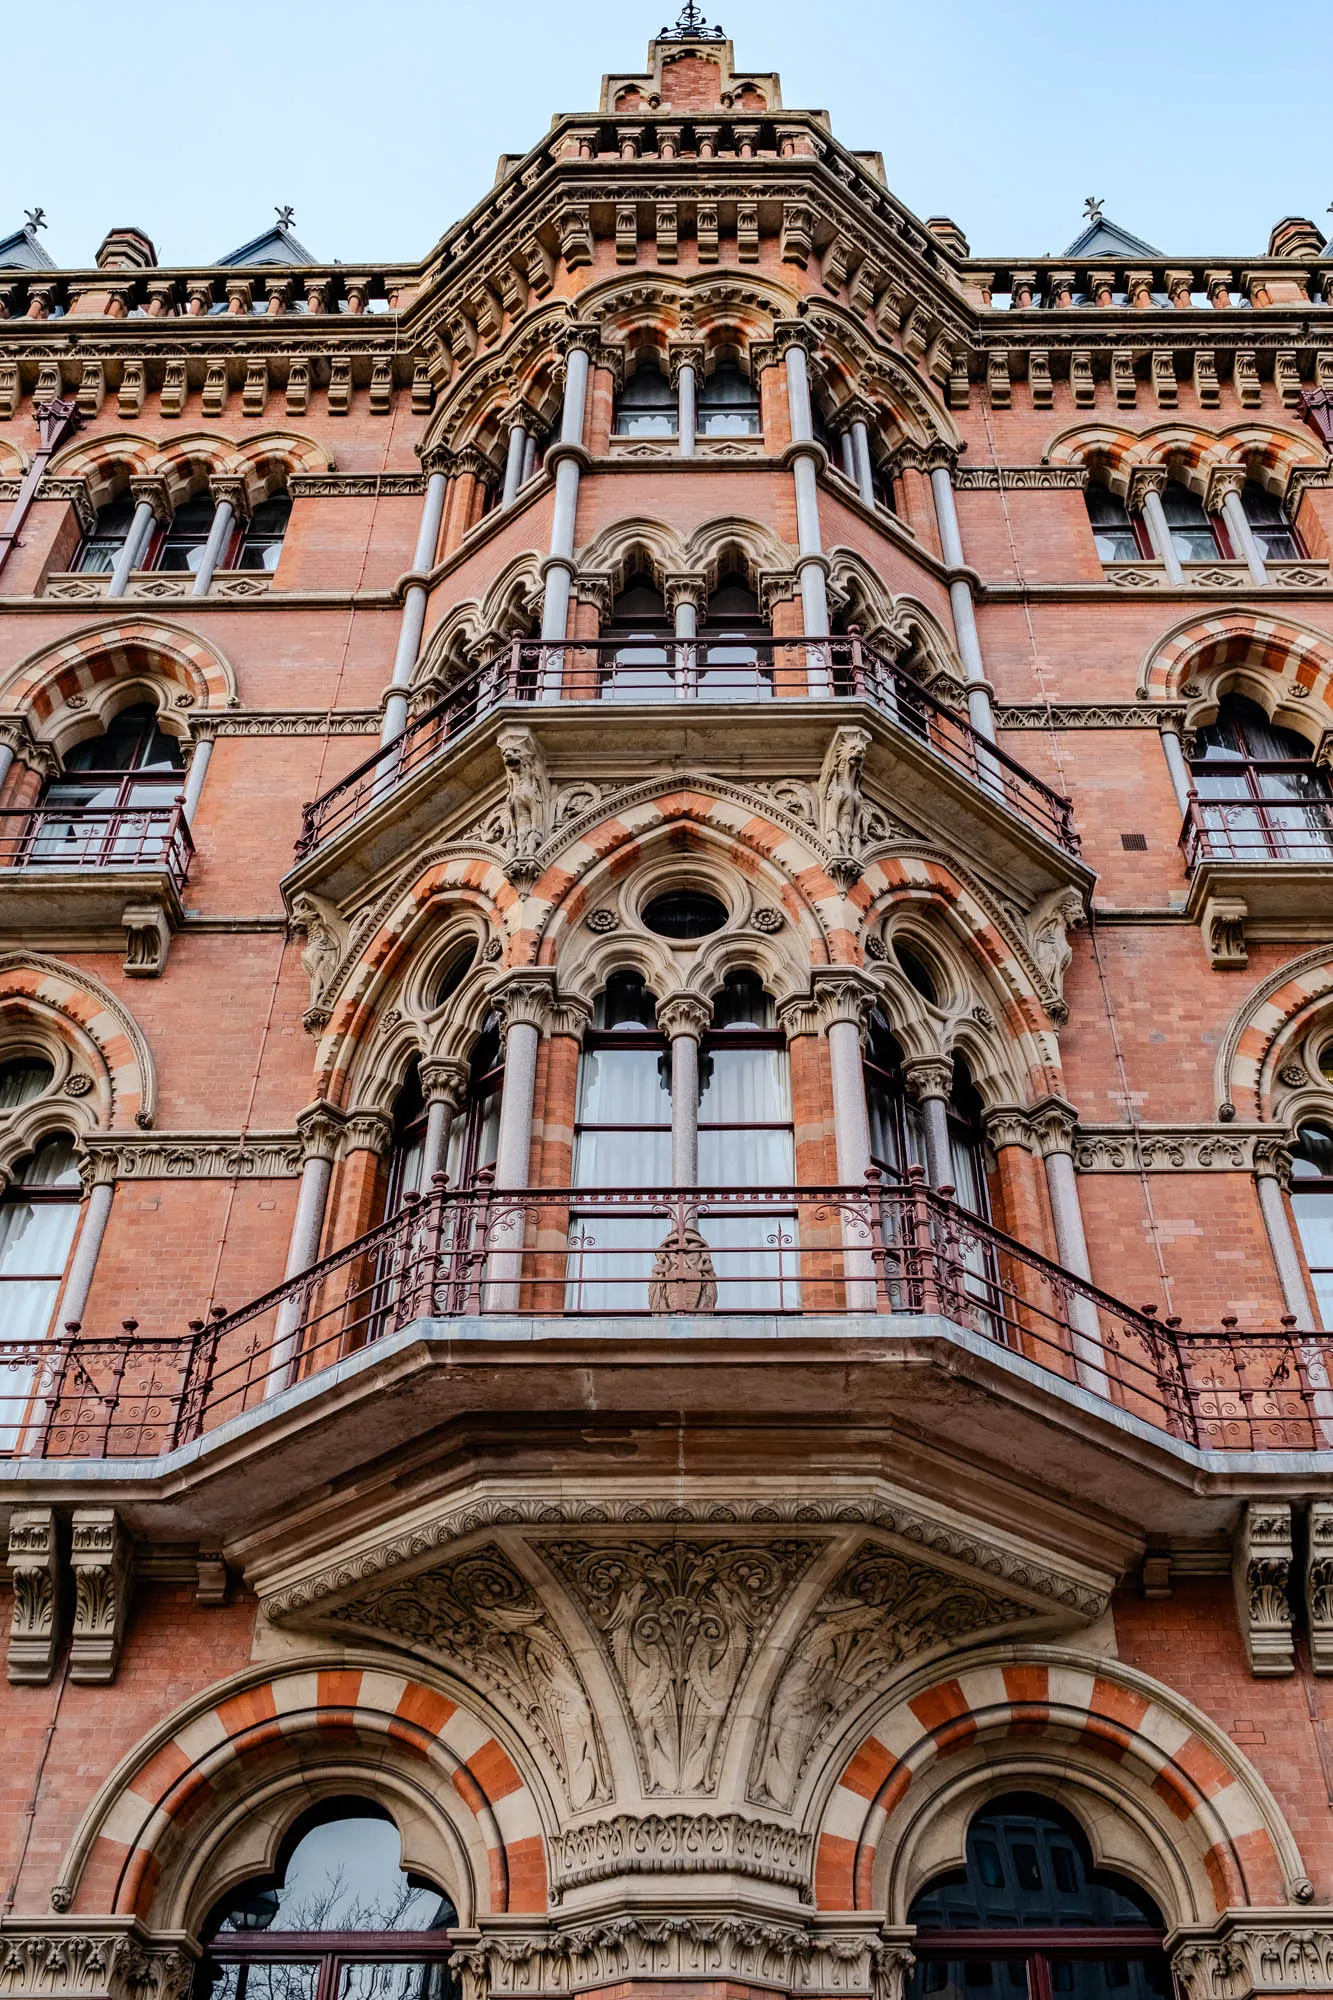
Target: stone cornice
1020, 478
1204, 1148
355, 485
196, 1155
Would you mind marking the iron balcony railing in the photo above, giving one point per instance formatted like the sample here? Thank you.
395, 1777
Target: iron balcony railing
596, 1260
82, 837
652, 670
1257, 830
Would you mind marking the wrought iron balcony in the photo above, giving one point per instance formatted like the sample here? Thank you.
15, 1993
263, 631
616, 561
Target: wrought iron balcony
667, 672
1254, 832
73, 839
719, 1264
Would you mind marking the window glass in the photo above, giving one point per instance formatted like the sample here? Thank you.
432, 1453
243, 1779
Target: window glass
474, 1134
99, 550
1270, 526
647, 404
1312, 1207
685, 914
182, 546
1191, 531
261, 544
1262, 797
342, 1873
39, 1214
1112, 529
728, 404
23, 1079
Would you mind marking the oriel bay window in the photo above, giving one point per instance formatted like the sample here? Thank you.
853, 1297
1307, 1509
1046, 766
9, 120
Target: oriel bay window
338, 1919
1261, 795
1030, 1918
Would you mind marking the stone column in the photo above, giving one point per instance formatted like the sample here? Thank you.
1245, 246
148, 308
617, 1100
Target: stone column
152, 505
940, 463
516, 423
683, 1019
1053, 1125
444, 1092
930, 1080
101, 1172
523, 1001
567, 456
685, 359
319, 1125
684, 600
1146, 485
1182, 783
229, 506
413, 621
201, 755
1224, 491
864, 468
1272, 1172
806, 457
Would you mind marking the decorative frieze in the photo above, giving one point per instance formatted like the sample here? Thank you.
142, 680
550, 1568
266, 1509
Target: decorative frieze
680, 1843
1082, 715
79, 1958
1155, 1149
1257, 1952
1021, 478
252, 1156
1261, 1572
297, 722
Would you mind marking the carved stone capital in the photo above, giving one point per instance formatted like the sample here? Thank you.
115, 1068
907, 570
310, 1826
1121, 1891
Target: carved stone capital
792, 333
35, 1621
15, 735
934, 457
1261, 1572
686, 587
929, 1076
685, 354
100, 1557
368, 1132
1223, 479
1053, 1122
231, 487
150, 487
92, 1958
525, 997
320, 1127
684, 1014
1272, 1160
1009, 1125
843, 993
1143, 480
443, 1081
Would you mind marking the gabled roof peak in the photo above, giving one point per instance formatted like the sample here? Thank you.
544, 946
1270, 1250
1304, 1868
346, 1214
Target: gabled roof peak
21, 251
277, 245
1104, 238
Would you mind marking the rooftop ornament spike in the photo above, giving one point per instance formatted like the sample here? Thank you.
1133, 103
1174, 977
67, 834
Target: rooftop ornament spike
692, 27
1093, 206
36, 217
285, 216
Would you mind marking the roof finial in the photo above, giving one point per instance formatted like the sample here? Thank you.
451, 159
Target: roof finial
36, 217
1092, 207
692, 27
285, 217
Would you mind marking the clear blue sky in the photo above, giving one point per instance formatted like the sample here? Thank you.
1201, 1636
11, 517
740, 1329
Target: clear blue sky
1199, 122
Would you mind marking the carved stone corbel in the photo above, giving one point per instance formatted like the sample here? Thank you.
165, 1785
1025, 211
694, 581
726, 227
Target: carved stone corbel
36, 1620
1223, 925
147, 939
841, 808
1319, 1586
101, 1558
1261, 1571
528, 804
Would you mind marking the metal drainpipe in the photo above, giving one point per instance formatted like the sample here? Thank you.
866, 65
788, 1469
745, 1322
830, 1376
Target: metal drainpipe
55, 422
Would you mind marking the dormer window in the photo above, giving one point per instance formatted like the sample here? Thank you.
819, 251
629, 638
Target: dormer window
647, 404
729, 404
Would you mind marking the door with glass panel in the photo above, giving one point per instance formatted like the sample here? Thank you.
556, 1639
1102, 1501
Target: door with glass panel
746, 1143
339, 1918
1030, 1917
39, 1214
1261, 795
622, 1142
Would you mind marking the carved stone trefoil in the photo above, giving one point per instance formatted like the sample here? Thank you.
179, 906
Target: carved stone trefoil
1261, 1571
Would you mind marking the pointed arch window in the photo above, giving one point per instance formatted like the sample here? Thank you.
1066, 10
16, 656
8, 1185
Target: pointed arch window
735, 661
897, 1136
1277, 539
261, 542
1312, 1207
112, 804
475, 1131
339, 1918
646, 406
643, 665
729, 403
1029, 1917
1120, 536
1261, 795
99, 550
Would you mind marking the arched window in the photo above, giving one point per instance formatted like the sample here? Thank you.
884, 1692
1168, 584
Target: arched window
39, 1213
622, 1139
1312, 1206
728, 404
261, 542
1029, 1917
475, 1131
1193, 535
897, 1137
100, 550
1118, 536
1272, 530
735, 661
409, 1139
1261, 795
338, 1919
646, 406
641, 668
111, 805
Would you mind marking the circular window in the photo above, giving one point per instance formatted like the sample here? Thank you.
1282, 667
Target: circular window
1326, 1062
22, 1080
455, 972
685, 914
916, 972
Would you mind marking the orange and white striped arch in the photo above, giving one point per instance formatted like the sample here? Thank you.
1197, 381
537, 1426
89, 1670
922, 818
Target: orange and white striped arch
1063, 1717
154, 1822
103, 1037
187, 461
83, 671
1267, 451
1264, 645
1273, 1016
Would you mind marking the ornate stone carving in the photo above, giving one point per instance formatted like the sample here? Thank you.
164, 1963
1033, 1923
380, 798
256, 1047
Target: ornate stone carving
79, 1959
1319, 1585
1258, 1952
881, 1609
684, 1014
842, 809
1223, 925
1154, 1149
678, 1623
479, 1614
1261, 1571
683, 1279
316, 920
1048, 927
147, 938
787, 1957
188, 1156
528, 803
100, 1557
681, 1843
35, 1621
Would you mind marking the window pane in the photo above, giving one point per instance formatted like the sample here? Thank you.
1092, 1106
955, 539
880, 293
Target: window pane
745, 1086
266, 1982
623, 1159
410, 1981
745, 1159
624, 1087
342, 1876
999, 1978
1111, 1978
35, 1236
